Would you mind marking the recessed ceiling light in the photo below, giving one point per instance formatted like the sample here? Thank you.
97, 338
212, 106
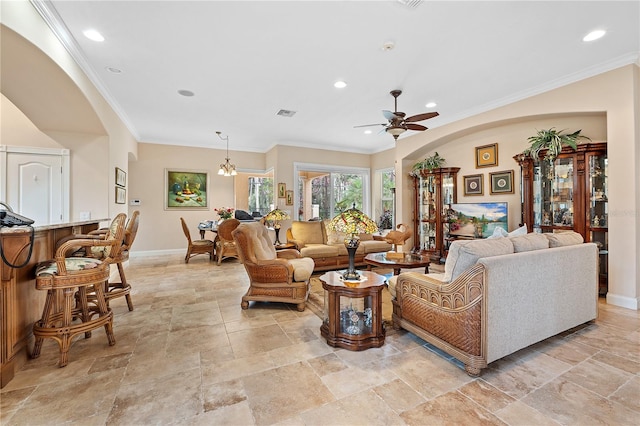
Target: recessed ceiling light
367, 132
114, 70
431, 105
92, 34
594, 35
186, 92
340, 84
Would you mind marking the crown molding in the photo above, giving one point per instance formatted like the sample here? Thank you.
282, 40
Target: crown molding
51, 17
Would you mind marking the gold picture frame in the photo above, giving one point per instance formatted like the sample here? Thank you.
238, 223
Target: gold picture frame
282, 190
501, 182
473, 185
289, 197
121, 177
487, 156
121, 195
186, 189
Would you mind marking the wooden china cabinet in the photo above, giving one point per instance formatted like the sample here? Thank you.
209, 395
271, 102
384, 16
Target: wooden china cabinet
434, 191
569, 193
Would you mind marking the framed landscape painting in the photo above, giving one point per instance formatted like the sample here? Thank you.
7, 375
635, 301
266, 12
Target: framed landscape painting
477, 220
186, 189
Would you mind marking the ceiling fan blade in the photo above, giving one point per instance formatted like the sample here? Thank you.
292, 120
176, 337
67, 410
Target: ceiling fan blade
390, 115
420, 117
413, 126
369, 125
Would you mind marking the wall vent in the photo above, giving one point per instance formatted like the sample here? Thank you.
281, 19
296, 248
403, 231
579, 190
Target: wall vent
286, 113
411, 4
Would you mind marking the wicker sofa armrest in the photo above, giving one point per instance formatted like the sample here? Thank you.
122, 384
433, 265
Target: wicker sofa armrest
451, 316
270, 271
288, 254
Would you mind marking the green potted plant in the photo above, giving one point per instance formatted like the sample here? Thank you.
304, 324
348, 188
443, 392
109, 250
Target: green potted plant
552, 141
430, 163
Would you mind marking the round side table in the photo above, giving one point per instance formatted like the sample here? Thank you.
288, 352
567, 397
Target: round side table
353, 311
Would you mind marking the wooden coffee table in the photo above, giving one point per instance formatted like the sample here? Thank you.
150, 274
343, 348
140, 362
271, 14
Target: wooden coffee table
408, 261
353, 311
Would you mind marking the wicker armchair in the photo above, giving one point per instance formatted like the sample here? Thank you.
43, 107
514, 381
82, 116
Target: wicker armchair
196, 247
281, 276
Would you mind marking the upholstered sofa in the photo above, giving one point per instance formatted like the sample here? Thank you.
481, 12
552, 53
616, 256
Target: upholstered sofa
313, 239
500, 295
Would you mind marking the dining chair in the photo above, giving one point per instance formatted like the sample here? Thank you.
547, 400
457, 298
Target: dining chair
196, 247
225, 245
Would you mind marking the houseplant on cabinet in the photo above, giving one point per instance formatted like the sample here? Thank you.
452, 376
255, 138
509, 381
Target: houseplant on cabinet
552, 141
430, 163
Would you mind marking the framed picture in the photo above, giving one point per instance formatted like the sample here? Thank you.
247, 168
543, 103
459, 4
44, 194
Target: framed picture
186, 189
290, 197
477, 220
282, 190
121, 195
487, 156
473, 185
121, 177
502, 182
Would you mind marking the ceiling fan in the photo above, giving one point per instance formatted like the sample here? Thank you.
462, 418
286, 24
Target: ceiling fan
397, 124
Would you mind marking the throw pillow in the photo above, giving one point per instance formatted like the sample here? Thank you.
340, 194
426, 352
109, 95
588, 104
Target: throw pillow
476, 249
498, 233
452, 258
519, 231
561, 239
307, 232
529, 242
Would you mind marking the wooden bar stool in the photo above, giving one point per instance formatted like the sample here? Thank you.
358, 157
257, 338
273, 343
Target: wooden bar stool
65, 315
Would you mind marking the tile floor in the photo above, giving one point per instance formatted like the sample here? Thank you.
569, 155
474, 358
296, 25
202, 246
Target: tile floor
189, 355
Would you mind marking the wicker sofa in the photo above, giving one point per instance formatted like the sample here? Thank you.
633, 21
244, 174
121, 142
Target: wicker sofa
327, 249
500, 295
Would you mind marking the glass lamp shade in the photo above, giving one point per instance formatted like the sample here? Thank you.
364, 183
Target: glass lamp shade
275, 216
352, 222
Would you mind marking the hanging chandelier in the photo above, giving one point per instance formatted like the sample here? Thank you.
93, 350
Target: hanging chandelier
226, 168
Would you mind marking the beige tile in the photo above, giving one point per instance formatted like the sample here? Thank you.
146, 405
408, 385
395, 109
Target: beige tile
166, 399
518, 413
398, 395
327, 364
486, 395
364, 408
569, 403
12, 400
629, 394
280, 393
449, 409
232, 415
220, 395
352, 380
223, 370
258, 340
597, 377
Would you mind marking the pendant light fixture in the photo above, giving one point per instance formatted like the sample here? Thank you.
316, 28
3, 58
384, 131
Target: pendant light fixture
226, 169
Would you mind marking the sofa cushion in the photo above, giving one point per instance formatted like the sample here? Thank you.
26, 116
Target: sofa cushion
375, 246
342, 250
518, 231
319, 250
475, 249
308, 232
452, 258
365, 237
529, 242
334, 237
302, 268
561, 239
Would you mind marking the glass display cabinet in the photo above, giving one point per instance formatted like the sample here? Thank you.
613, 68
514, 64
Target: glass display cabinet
569, 193
353, 311
434, 191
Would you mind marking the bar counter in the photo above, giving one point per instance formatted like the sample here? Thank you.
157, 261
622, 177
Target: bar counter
20, 303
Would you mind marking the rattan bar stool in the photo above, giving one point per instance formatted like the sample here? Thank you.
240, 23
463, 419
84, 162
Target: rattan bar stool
64, 316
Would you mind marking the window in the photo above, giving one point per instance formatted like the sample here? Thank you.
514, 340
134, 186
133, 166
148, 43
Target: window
260, 194
387, 192
325, 191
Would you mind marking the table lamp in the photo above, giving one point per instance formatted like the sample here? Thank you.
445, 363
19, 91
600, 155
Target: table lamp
275, 216
352, 222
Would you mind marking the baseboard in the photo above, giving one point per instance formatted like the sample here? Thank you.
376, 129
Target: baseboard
147, 253
623, 301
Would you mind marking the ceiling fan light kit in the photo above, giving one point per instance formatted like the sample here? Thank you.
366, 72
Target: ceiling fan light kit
398, 124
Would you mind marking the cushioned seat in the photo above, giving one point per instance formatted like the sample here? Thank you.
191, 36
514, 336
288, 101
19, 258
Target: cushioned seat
281, 276
196, 247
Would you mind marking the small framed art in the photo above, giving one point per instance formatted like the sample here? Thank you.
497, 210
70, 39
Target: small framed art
282, 190
501, 182
487, 156
473, 185
121, 195
121, 177
290, 197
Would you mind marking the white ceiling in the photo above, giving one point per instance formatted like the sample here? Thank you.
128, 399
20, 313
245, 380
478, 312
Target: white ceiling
246, 60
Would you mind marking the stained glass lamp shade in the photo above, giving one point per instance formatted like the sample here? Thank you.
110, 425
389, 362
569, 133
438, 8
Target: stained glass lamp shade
275, 216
